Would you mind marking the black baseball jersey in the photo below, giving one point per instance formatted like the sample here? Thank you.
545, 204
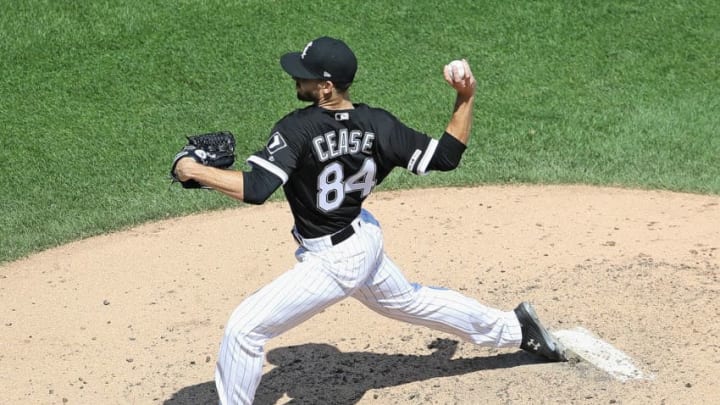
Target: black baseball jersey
329, 161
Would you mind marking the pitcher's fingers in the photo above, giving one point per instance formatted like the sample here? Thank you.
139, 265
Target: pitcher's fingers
469, 77
447, 72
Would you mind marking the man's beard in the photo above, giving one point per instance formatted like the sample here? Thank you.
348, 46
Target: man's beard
305, 96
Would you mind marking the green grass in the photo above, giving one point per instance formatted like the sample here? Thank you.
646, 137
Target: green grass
97, 96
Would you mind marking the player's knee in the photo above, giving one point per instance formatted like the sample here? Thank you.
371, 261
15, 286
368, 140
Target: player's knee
399, 304
241, 341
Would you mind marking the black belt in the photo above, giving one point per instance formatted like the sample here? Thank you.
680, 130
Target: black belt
342, 235
336, 238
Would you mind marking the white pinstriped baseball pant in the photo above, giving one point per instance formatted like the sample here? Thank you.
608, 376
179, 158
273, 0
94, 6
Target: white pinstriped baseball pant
326, 274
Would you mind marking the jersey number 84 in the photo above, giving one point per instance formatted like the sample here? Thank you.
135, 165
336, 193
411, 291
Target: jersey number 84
332, 185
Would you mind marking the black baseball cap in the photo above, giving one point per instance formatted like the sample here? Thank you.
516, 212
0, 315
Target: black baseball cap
323, 58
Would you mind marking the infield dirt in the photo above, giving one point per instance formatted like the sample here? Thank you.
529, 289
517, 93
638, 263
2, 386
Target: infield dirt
136, 317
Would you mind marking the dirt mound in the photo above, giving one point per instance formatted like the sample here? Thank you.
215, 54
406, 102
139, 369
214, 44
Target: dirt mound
137, 316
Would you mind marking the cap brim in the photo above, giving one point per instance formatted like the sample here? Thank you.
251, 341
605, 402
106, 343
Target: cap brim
292, 64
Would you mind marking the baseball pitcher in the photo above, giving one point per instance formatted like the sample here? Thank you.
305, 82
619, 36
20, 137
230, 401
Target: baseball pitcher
328, 157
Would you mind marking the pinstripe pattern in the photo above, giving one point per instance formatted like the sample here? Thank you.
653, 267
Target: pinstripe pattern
325, 274
389, 293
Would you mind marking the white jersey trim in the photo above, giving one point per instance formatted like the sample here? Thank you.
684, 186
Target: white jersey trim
427, 157
413, 159
257, 160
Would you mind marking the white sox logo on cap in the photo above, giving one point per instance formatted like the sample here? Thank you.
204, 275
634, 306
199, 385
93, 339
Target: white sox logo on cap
325, 73
304, 52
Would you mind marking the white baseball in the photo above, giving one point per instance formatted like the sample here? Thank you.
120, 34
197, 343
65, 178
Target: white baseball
457, 70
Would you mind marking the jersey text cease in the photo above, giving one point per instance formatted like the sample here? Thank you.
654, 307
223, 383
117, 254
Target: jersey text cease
333, 144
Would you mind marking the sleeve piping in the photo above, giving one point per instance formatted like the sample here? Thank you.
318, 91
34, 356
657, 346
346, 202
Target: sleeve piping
427, 157
272, 168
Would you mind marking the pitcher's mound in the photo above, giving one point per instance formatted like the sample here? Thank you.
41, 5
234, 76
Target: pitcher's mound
136, 317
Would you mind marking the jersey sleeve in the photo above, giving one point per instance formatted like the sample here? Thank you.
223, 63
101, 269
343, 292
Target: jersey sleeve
281, 154
402, 146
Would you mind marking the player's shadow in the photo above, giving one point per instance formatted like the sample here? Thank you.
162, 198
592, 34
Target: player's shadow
321, 374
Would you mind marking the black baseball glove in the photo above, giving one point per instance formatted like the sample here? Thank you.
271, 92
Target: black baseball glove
216, 149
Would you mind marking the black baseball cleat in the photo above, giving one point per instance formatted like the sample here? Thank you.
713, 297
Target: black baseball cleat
535, 338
